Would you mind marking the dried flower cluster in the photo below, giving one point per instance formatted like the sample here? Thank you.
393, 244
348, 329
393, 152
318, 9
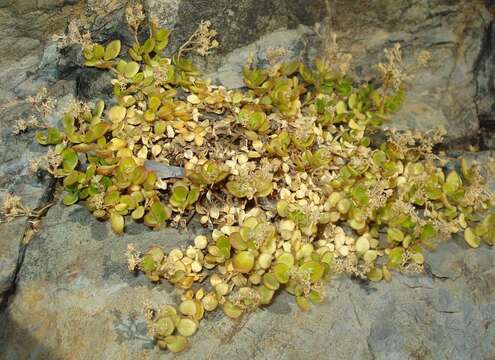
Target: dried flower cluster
393, 71
334, 59
78, 30
23, 125
42, 102
286, 173
202, 41
134, 16
13, 207
423, 58
43, 105
49, 162
73, 36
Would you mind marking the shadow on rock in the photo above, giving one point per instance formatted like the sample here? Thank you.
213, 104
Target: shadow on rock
81, 215
17, 343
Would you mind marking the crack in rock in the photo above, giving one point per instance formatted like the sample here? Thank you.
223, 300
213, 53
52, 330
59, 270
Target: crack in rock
10, 291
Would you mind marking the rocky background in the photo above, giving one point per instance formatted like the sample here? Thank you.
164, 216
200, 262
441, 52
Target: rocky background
66, 293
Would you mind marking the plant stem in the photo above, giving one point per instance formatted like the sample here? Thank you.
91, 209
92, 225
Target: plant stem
385, 90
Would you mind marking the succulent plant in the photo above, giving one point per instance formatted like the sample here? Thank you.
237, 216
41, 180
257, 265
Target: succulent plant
207, 173
287, 172
183, 195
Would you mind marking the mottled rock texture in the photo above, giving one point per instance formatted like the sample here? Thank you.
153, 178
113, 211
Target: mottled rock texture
68, 295
75, 295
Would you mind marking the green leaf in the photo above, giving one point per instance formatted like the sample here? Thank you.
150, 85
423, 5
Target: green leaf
281, 272
70, 159
395, 257
303, 303
353, 101
99, 107
127, 165
73, 178
223, 245
232, 310
68, 123
97, 131
117, 113
117, 222
157, 215
70, 198
112, 50
254, 78
344, 87
452, 183
112, 198
394, 103
395, 235
193, 195
161, 34
243, 261
375, 274
307, 74
427, 232
184, 64
471, 238
379, 157
149, 45
314, 269
360, 195
341, 107
52, 137
98, 52
131, 69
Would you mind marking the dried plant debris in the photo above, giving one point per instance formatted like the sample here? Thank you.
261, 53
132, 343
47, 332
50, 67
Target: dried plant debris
13, 207
23, 125
135, 16
285, 172
202, 41
77, 34
43, 105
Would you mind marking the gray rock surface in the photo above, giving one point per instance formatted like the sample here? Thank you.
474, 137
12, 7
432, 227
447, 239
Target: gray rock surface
68, 294
28, 63
485, 89
444, 93
74, 281
10, 240
452, 31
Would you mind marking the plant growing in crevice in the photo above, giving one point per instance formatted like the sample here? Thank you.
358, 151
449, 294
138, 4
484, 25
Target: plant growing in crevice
286, 171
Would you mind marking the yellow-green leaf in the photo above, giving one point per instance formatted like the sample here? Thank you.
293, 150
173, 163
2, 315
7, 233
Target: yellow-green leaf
117, 113
117, 222
471, 238
131, 69
112, 50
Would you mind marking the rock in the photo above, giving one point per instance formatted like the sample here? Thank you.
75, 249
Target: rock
164, 171
94, 84
75, 273
441, 94
246, 20
34, 194
25, 68
74, 276
16, 178
25, 28
10, 240
69, 289
485, 90
229, 74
